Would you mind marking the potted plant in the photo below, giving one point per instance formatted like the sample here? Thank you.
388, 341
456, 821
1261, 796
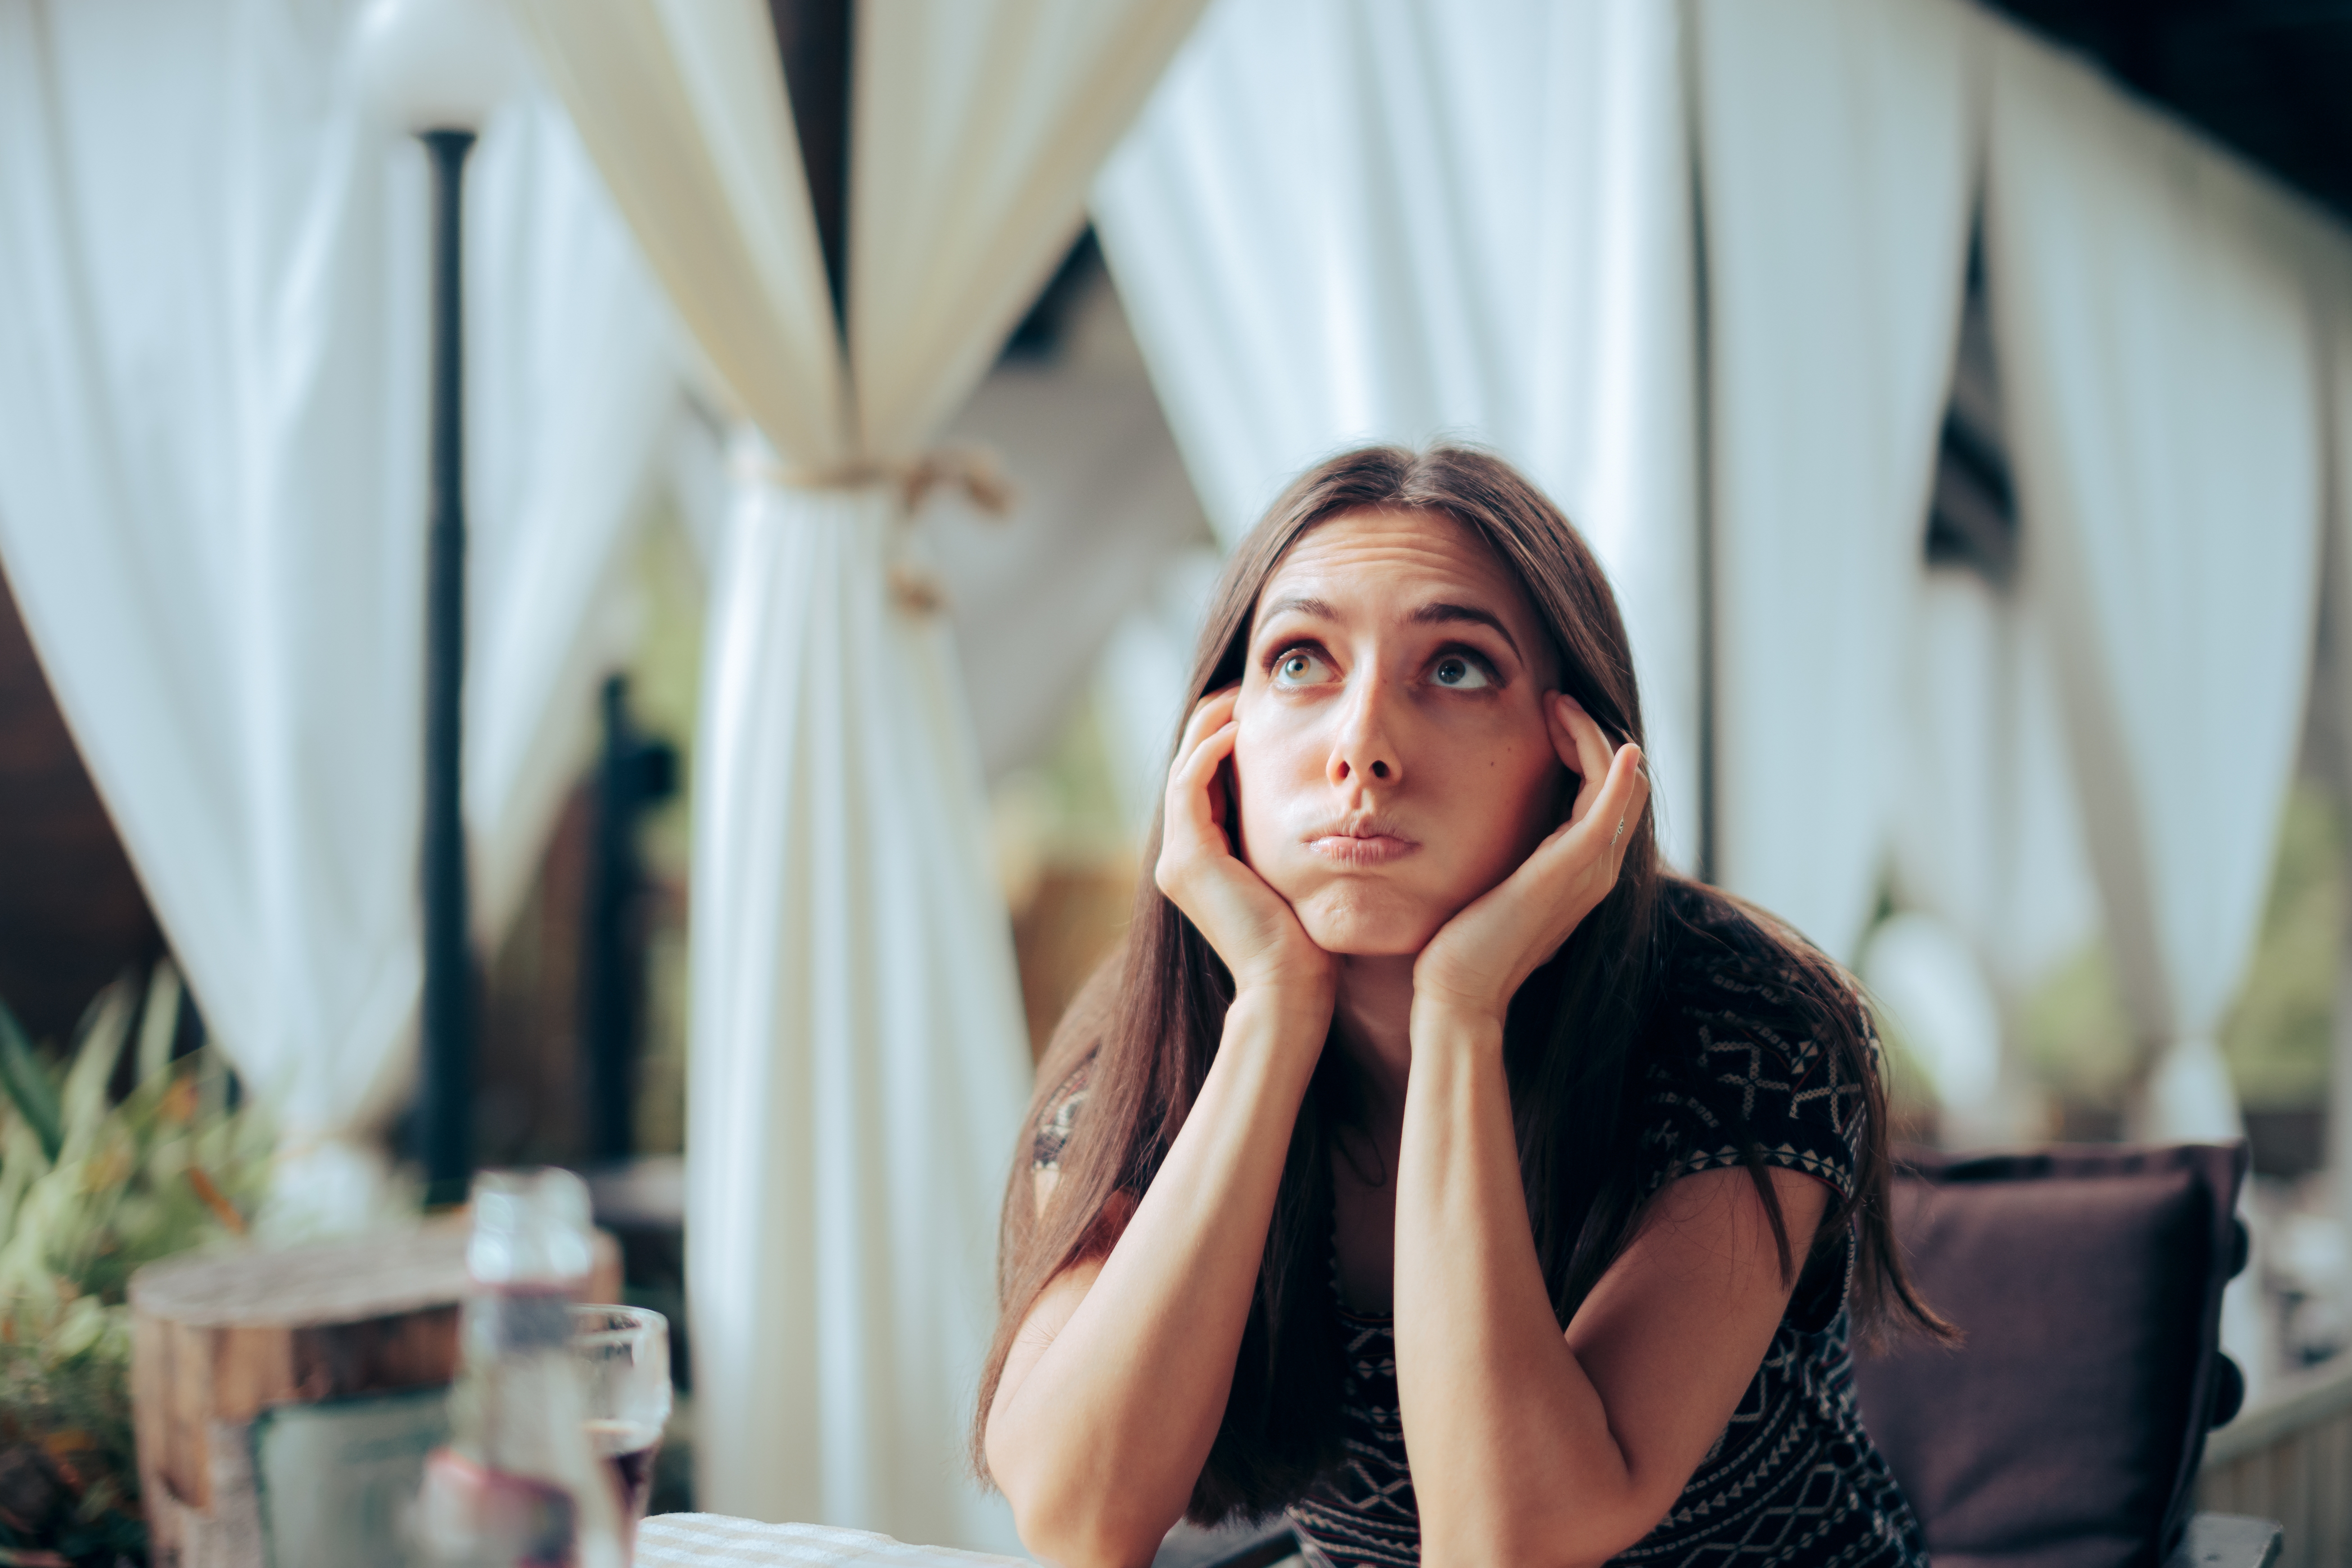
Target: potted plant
104, 1165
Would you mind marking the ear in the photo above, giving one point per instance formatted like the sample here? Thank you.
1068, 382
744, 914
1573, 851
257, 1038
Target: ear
1557, 706
1562, 712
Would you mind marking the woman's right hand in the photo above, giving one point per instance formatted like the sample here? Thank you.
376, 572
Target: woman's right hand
1247, 923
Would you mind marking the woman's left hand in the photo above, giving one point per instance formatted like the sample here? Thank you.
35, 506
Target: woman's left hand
1477, 959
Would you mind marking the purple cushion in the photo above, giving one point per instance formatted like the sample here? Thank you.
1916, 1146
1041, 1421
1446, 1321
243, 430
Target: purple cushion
2066, 1431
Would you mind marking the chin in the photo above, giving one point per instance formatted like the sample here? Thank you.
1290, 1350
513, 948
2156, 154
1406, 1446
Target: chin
1354, 922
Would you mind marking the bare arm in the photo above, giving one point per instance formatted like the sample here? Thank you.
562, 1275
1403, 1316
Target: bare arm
1528, 1445
1113, 1394
1533, 1447
1114, 1391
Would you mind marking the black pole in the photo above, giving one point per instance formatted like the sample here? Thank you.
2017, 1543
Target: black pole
447, 1104
635, 774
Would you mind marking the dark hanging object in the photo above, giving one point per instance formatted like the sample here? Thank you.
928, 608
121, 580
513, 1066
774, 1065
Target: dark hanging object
445, 1104
815, 42
635, 774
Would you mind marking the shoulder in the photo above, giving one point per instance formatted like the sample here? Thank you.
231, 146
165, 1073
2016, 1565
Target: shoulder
1733, 972
1757, 1040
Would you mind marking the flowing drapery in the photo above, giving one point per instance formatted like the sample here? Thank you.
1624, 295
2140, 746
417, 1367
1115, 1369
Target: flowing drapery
1987, 835
858, 1065
1340, 222
2153, 329
1836, 145
211, 418
567, 430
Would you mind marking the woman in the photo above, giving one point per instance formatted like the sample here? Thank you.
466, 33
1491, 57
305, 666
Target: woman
1425, 1110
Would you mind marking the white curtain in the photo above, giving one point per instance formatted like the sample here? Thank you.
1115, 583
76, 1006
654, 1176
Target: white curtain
1926, 981
2154, 334
1342, 221
567, 435
1987, 835
859, 1062
212, 509
1837, 147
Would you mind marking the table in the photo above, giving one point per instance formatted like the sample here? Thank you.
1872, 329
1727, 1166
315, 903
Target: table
715, 1541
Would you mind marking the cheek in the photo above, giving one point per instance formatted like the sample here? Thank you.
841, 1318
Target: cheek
1274, 764
1505, 804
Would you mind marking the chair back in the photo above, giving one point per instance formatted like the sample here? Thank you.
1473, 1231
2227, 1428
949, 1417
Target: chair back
2066, 1430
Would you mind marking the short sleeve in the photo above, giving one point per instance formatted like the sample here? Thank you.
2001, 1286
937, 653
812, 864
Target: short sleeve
1741, 1057
1059, 1117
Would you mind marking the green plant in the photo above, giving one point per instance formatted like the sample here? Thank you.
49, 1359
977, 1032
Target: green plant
91, 1187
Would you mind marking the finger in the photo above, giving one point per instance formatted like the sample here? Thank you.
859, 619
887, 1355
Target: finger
1189, 827
1211, 714
1189, 782
1592, 754
1607, 810
1207, 714
1618, 805
1638, 801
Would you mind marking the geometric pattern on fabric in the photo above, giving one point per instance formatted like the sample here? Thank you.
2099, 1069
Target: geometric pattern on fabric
1363, 1511
1793, 1482
1733, 1056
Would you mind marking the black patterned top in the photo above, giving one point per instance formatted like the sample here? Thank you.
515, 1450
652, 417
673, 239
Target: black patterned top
1793, 1479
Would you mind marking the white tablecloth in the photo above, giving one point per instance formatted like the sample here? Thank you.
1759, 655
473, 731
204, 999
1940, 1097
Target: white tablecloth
714, 1541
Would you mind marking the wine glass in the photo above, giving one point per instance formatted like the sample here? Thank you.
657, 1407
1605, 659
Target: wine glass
623, 1354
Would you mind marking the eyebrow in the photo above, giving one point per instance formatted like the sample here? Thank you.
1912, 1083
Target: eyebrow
1439, 613
1436, 614
1301, 604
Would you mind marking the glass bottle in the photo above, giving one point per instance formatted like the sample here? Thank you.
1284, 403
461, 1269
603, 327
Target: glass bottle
519, 1484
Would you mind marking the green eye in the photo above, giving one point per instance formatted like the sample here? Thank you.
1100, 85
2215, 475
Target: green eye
1300, 667
1458, 673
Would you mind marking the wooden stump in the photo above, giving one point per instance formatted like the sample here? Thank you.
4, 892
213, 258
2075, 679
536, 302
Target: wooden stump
216, 1340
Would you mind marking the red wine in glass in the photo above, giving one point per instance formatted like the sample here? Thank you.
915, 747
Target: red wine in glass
627, 1448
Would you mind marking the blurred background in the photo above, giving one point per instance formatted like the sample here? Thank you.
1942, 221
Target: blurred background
856, 398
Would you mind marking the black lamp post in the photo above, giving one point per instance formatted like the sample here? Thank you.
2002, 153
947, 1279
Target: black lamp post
437, 69
446, 1106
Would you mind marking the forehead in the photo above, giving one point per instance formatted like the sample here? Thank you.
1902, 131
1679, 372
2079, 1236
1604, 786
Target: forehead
1391, 558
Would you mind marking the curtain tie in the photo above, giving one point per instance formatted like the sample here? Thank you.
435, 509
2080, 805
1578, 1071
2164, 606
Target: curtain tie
967, 467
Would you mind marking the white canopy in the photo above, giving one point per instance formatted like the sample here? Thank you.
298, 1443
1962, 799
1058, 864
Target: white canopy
212, 509
858, 1065
2154, 331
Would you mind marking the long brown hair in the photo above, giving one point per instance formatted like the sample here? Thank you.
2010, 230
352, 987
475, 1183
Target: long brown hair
1152, 1015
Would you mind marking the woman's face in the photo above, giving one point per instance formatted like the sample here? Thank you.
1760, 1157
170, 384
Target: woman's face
1393, 758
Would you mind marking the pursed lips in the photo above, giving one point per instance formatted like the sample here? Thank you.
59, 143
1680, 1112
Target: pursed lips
1368, 842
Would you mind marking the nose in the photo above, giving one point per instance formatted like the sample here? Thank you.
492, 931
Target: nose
1363, 751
